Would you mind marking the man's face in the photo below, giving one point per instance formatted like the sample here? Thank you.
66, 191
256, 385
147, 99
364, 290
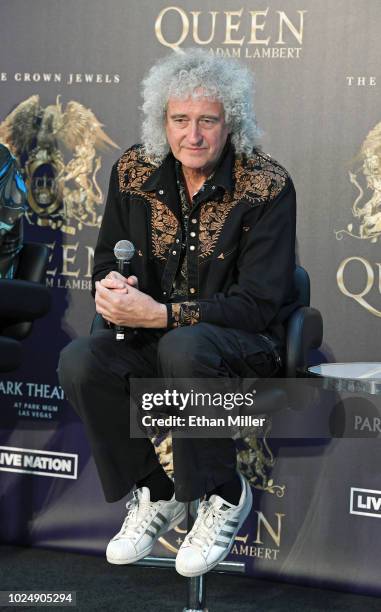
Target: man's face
196, 131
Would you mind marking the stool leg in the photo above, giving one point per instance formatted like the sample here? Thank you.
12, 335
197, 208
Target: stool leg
197, 584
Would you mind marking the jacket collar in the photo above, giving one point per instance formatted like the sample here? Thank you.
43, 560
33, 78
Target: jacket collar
164, 177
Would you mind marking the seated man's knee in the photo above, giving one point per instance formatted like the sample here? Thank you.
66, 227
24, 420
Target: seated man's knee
185, 351
75, 363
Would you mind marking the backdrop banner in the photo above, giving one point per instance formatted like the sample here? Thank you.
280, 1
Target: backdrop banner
70, 75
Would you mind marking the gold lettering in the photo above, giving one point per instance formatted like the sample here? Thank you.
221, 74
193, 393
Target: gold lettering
90, 260
51, 248
358, 297
258, 26
196, 37
67, 260
232, 27
283, 19
275, 536
268, 552
185, 25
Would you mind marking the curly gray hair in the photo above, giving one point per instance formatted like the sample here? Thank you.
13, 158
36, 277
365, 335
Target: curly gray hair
180, 75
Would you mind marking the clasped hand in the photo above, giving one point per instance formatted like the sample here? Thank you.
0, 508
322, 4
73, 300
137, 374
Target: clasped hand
119, 301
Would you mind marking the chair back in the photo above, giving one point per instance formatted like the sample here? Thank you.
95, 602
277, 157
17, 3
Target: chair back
302, 285
29, 282
304, 327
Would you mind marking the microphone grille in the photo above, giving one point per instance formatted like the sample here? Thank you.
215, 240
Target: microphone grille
124, 250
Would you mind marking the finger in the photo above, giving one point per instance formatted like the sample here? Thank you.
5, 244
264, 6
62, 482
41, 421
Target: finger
101, 291
133, 281
116, 275
103, 307
112, 283
109, 298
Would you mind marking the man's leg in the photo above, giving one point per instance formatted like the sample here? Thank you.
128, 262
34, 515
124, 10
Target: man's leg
209, 465
209, 351
94, 373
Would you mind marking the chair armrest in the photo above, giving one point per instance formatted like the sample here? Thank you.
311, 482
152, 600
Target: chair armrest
33, 261
304, 332
25, 298
20, 303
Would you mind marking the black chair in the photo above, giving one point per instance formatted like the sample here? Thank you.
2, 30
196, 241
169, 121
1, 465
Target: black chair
23, 299
304, 327
304, 332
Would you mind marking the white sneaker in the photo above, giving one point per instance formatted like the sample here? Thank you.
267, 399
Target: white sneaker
213, 533
145, 522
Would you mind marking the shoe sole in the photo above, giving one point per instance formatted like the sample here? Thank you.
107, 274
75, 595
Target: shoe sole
243, 517
175, 521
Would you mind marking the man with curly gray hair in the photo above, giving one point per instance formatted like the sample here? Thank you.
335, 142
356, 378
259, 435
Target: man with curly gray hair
211, 285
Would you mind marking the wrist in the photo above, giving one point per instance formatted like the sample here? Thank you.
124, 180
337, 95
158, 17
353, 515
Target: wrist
160, 318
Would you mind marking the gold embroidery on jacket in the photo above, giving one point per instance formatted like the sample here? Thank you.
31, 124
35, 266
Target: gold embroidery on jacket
259, 181
164, 228
185, 313
212, 218
134, 168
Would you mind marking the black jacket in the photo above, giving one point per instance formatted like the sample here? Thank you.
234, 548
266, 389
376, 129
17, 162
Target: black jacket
240, 242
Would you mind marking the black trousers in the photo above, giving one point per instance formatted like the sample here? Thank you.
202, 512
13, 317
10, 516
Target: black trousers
94, 373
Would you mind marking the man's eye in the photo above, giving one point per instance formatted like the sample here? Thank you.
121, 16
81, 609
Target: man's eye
208, 122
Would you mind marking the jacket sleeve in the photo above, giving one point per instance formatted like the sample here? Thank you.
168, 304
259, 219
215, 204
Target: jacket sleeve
111, 231
265, 267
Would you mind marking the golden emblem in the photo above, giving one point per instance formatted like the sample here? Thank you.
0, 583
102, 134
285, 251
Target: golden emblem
367, 214
254, 458
61, 195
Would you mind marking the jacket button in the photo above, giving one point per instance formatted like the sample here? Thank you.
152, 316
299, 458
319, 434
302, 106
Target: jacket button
192, 247
192, 290
193, 234
161, 191
194, 220
177, 240
164, 293
174, 252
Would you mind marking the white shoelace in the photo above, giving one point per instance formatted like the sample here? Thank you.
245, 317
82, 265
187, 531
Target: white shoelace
133, 522
207, 525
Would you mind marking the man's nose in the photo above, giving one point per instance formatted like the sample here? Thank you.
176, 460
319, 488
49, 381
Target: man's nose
194, 135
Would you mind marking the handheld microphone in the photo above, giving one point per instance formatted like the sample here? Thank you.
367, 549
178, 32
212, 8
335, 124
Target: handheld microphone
124, 251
